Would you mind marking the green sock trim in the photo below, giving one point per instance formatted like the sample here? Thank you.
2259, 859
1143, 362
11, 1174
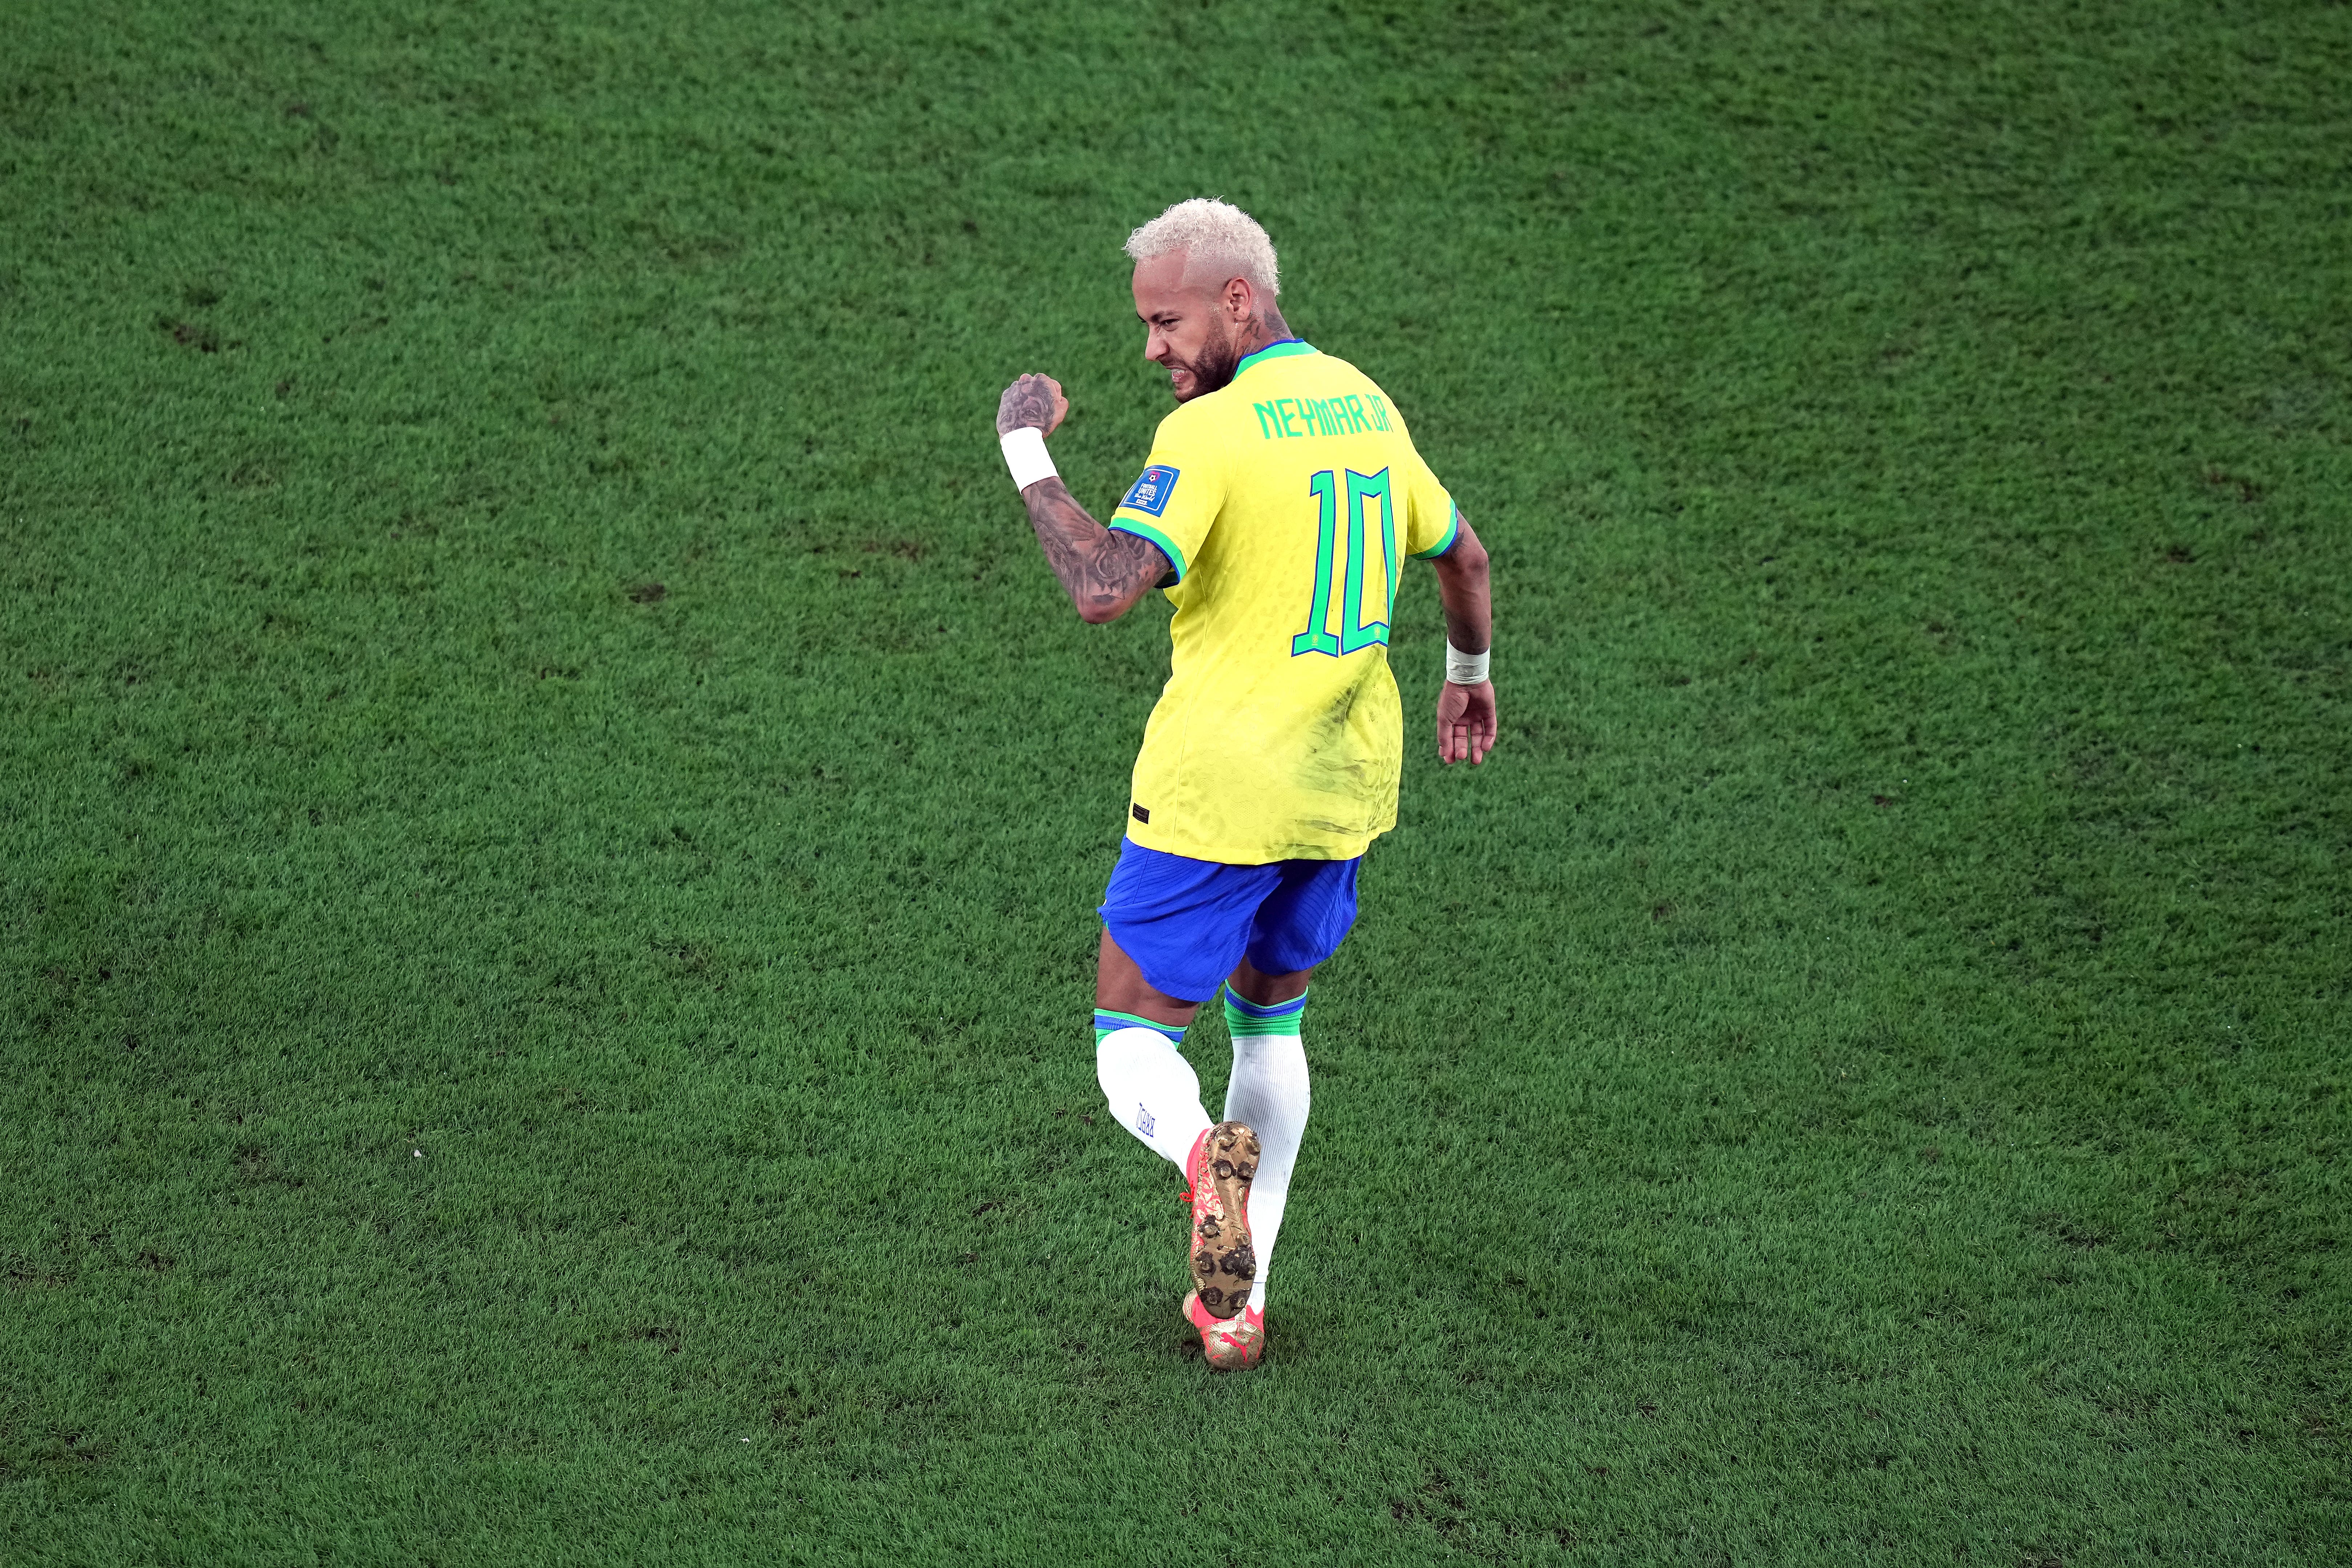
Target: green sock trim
1248, 1018
1107, 1022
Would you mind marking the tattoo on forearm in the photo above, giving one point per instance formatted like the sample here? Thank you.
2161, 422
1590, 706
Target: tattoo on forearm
1097, 568
1029, 401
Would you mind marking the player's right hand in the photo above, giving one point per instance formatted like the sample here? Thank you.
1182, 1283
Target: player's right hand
1465, 722
1034, 400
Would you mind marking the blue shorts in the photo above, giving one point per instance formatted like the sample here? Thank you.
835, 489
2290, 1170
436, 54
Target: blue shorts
1189, 923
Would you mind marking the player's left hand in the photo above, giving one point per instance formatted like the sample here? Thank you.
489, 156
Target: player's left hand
1034, 400
1465, 722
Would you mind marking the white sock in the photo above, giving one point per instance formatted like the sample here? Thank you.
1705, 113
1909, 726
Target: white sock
1153, 1092
1269, 1091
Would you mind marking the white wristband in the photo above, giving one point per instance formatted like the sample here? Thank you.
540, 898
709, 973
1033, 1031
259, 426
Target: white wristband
1465, 668
1025, 453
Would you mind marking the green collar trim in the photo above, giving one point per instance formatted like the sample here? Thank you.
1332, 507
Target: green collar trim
1282, 350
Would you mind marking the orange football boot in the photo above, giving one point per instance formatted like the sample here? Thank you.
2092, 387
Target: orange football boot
1220, 1169
1232, 1344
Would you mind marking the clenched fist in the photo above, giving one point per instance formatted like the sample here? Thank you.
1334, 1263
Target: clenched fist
1033, 400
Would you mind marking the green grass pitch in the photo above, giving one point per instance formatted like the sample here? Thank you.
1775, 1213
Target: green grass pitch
550, 811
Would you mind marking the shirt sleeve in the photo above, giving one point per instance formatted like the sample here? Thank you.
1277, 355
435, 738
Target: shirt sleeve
1176, 499
1430, 524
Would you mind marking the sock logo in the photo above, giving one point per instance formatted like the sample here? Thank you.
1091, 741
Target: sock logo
1143, 1123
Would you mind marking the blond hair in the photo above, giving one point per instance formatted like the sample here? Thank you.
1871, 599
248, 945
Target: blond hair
1216, 235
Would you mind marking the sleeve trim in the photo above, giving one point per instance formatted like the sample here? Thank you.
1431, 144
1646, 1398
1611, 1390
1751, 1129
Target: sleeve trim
1167, 546
1452, 531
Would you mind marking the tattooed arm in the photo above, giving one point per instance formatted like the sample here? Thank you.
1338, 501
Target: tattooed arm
1465, 714
1104, 572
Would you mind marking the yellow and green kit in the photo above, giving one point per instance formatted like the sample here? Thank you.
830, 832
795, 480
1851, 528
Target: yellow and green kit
1287, 501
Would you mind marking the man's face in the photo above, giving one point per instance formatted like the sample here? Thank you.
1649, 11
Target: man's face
1189, 329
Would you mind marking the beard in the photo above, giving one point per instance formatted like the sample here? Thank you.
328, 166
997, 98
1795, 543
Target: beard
1212, 372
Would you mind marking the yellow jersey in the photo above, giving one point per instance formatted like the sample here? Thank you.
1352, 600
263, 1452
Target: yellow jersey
1287, 501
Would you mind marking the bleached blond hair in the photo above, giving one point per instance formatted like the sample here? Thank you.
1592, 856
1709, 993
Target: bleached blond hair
1216, 237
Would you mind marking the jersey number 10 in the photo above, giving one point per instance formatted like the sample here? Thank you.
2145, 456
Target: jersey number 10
1354, 631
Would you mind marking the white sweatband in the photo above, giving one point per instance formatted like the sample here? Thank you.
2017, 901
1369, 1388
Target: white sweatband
1465, 668
1025, 453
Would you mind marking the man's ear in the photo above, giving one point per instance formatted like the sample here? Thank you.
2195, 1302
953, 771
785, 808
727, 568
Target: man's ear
1241, 300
